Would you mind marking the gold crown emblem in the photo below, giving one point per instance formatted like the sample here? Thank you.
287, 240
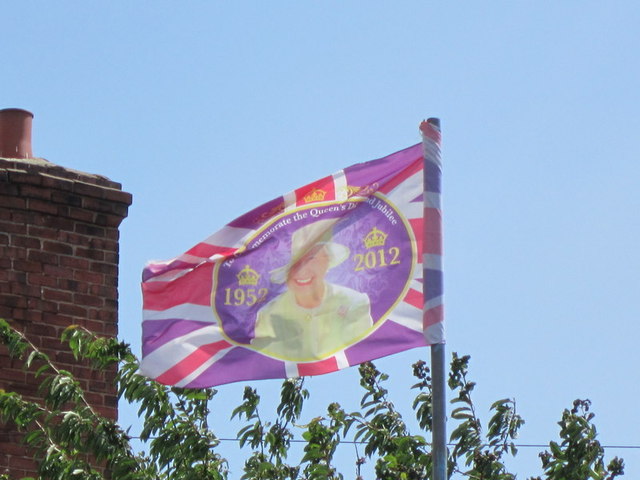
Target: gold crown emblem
315, 195
365, 191
248, 276
270, 213
375, 238
352, 191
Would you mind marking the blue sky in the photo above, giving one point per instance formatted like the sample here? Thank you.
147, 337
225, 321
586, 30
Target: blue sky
203, 110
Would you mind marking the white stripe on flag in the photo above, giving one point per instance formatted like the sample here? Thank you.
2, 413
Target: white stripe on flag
432, 261
165, 357
171, 275
434, 302
185, 311
341, 360
434, 333
291, 369
432, 200
408, 189
193, 259
340, 186
228, 236
289, 201
198, 371
412, 210
408, 316
416, 282
432, 151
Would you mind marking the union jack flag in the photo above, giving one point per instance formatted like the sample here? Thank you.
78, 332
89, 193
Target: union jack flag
242, 305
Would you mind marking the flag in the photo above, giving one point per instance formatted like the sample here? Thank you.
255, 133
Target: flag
327, 276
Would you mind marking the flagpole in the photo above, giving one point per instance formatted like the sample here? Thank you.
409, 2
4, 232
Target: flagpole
439, 431
438, 368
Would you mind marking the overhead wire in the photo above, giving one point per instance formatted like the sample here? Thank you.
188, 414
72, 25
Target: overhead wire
517, 445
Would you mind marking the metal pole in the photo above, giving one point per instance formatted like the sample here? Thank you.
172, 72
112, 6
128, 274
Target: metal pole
439, 431
438, 368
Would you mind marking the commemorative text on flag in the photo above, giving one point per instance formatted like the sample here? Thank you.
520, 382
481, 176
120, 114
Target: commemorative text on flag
325, 277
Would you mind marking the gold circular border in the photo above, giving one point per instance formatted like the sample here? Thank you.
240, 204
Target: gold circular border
286, 213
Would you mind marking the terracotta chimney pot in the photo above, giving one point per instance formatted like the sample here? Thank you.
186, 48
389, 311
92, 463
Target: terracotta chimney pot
15, 133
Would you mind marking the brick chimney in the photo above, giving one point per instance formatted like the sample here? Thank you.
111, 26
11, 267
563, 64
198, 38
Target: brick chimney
58, 267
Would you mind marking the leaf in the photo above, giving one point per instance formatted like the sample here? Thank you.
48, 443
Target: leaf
497, 403
461, 412
42, 369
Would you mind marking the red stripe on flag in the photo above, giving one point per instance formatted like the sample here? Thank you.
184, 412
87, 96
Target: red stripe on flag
193, 287
432, 316
412, 169
433, 231
318, 368
417, 226
205, 250
183, 368
415, 298
319, 191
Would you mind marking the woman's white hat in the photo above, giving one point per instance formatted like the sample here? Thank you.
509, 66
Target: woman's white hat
319, 233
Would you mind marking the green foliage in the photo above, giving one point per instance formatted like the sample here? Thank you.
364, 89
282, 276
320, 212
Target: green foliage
270, 441
70, 440
63, 429
579, 456
483, 456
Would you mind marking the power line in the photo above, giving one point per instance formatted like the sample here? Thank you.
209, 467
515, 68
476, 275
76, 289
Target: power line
521, 445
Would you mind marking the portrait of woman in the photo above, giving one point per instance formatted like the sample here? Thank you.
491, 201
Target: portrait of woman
312, 318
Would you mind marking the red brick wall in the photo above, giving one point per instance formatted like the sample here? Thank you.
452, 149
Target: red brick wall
58, 267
